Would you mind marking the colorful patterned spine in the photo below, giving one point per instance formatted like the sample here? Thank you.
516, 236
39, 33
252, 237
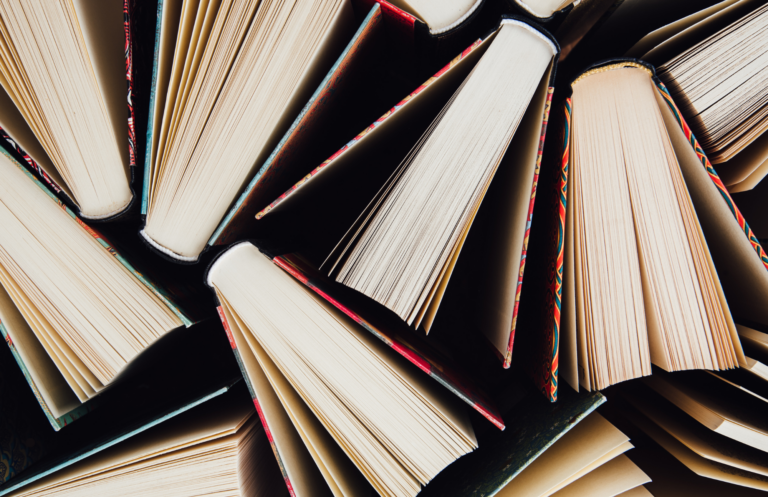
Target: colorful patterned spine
713, 175
370, 128
129, 81
458, 386
56, 423
552, 359
233, 344
529, 219
157, 291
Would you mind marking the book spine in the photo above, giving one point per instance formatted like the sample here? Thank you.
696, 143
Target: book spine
756, 246
233, 344
56, 423
529, 219
151, 113
129, 82
556, 285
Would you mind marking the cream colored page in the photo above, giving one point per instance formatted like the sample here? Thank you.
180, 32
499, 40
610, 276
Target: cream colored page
201, 424
585, 443
103, 26
289, 449
743, 277
701, 440
340, 473
613, 478
169, 26
56, 394
17, 128
698, 464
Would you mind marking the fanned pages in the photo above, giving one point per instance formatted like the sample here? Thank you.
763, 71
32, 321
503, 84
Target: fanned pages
236, 76
645, 287
217, 448
718, 85
83, 305
403, 248
74, 97
398, 427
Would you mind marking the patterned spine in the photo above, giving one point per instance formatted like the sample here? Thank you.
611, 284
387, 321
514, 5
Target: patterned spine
459, 387
529, 219
56, 423
233, 344
713, 175
551, 359
157, 291
369, 129
129, 82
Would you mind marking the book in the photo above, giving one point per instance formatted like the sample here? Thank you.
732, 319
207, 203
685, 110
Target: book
184, 369
74, 311
326, 190
73, 121
215, 445
344, 409
506, 459
732, 140
712, 219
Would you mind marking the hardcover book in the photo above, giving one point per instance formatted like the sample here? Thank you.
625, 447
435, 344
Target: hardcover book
735, 259
74, 312
73, 123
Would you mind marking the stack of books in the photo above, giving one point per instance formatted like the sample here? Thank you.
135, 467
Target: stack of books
371, 247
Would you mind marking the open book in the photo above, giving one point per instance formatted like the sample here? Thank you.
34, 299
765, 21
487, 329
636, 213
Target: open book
343, 186
610, 336
72, 121
74, 311
346, 412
